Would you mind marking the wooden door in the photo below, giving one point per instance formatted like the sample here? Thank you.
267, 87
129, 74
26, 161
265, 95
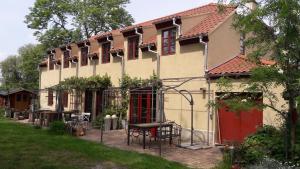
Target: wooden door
235, 127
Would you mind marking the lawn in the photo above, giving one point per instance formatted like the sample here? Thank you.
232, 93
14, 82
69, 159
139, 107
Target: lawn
24, 147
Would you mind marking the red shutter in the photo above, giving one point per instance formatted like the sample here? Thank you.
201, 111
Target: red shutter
66, 59
50, 97
133, 47
65, 99
84, 53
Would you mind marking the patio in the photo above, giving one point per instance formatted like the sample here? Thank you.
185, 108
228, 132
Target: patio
202, 158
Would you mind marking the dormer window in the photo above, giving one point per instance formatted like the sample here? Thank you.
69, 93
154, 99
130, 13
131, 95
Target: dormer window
106, 52
84, 56
133, 47
66, 58
51, 62
168, 41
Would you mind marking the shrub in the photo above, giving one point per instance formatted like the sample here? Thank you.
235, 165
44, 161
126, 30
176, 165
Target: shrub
57, 127
267, 141
2, 112
225, 163
271, 163
98, 122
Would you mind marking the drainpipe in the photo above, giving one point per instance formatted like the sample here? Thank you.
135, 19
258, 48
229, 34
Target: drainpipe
178, 26
111, 42
158, 60
140, 35
59, 75
209, 115
158, 76
122, 63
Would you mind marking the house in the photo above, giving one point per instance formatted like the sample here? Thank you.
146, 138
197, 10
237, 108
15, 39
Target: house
189, 49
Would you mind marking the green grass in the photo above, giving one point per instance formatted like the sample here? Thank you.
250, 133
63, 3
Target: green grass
22, 146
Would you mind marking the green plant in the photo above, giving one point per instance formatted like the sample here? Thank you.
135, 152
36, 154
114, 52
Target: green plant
267, 141
225, 163
2, 112
57, 127
98, 122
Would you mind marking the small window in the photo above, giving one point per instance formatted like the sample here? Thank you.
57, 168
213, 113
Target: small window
51, 63
24, 97
65, 99
84, 56
169, 41
50, 97
105, 52
66, 58
133, 47
19, 97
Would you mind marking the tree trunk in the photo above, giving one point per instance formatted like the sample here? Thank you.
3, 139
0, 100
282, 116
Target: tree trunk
291, 127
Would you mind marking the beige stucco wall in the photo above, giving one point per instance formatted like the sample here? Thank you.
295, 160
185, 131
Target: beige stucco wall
224, 43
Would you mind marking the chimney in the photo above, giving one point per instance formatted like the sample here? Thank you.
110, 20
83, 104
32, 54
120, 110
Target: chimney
251, 4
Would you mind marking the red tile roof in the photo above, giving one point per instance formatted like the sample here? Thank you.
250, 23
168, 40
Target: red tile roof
209, 23
237, 65
150, 41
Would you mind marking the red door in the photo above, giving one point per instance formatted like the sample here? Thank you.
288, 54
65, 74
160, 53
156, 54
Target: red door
235, 127
140, 107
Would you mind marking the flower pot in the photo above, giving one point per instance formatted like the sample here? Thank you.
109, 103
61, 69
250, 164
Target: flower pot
114, 120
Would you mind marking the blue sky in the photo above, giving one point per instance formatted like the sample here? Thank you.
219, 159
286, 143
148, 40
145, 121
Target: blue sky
14, 33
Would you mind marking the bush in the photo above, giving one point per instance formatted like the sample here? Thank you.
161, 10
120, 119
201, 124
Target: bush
2, 112
98, 122
267, 141
225, 163
57, 127
270, 163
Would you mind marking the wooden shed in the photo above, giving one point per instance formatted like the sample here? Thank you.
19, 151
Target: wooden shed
19, 99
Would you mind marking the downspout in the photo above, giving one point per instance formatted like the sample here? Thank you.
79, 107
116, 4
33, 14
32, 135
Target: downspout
40, 86
111, 42
209, 115
158, 76
59, 74
122, 64
178, 26
140, 35
158, 60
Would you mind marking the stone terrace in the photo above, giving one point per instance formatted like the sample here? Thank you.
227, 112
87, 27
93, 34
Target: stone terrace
202, 158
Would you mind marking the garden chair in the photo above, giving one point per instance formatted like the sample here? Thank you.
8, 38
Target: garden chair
85, 117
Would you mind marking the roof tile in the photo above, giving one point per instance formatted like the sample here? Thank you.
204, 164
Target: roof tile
237, 65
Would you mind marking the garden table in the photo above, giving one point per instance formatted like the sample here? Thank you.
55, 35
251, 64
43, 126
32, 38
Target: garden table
145, 127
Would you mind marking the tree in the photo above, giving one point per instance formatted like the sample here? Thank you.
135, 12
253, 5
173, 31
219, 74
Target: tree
30, 57
95, 16
10, 72
61, 21
272, 30
22, 70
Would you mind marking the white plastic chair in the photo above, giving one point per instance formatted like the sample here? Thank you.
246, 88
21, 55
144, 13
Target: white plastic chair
85, 118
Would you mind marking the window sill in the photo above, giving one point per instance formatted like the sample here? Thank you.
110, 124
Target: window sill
132, 58
167, 54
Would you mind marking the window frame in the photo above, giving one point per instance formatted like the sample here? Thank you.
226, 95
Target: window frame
66, 59
65, 99
50, 97
18, 97
84, 58
105, 55
133, 47
51, 63
169, 39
